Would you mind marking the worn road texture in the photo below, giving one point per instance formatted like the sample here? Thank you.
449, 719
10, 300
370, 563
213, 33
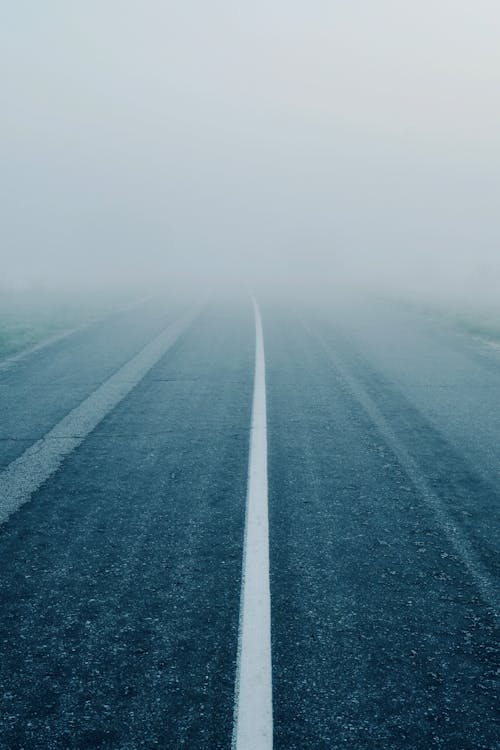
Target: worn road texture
121, 573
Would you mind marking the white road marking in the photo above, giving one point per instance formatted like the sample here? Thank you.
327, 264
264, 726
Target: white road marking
27, 473
11, 360
253, 714
485, 582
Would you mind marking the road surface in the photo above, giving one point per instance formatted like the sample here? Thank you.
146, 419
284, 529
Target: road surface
202, 550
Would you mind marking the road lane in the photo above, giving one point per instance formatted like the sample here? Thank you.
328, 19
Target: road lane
429, 380
380, 637
485, 579
452, 379
121, 578
37, 391
21, 478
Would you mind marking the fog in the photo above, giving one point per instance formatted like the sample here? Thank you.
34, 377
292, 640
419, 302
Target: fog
296, 144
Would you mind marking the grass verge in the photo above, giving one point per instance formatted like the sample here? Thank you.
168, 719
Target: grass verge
480, 321
30, 318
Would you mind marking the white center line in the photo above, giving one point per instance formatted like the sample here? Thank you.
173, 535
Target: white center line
253, 713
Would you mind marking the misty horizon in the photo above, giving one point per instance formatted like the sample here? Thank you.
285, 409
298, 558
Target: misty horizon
276, 144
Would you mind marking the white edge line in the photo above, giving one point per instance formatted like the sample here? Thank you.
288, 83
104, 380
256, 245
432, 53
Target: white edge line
23, 476
253, 714
12, 359
8, 362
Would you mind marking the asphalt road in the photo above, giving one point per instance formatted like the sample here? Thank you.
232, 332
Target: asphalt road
121, 569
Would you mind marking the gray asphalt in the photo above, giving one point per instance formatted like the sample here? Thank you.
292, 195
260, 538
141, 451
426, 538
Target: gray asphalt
120, 579
42, 388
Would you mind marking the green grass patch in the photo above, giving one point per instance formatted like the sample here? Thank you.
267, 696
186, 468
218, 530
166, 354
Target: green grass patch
29, 318
476, 320
486, 326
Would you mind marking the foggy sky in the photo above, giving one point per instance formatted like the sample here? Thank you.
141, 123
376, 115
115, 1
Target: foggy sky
292, 141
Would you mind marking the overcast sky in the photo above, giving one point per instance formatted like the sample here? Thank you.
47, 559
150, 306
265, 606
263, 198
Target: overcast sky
296, 140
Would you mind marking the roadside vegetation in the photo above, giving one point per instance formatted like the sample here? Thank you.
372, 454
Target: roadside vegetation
485, 325
27, 318
479, 320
